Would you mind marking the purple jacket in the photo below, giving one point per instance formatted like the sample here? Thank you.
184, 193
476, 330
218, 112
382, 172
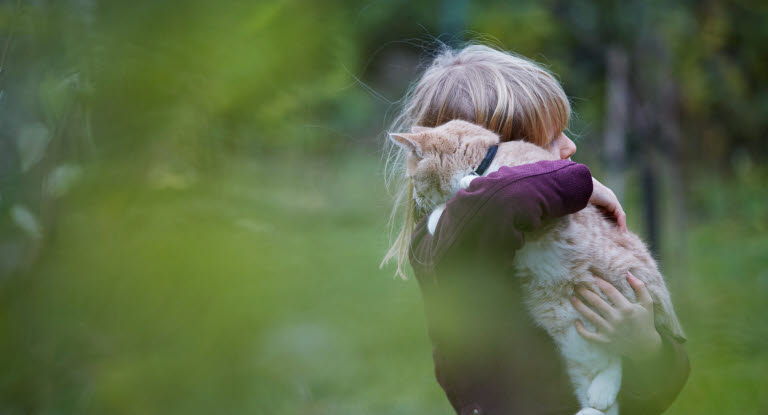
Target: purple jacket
490, 358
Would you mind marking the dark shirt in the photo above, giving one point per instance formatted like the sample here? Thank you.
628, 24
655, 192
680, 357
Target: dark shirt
490, 357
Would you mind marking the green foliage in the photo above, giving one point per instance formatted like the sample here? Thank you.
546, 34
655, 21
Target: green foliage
243, 73
246, 293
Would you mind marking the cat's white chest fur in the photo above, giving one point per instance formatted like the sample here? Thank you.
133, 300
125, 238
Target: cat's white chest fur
434, 217
597, 383
543, 260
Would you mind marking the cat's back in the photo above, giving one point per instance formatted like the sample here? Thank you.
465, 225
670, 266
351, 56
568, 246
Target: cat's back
602, 240
516, 153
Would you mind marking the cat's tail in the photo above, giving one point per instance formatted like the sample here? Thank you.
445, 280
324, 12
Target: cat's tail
664, 314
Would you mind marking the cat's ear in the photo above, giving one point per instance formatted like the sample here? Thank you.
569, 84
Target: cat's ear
419, 129
407, 141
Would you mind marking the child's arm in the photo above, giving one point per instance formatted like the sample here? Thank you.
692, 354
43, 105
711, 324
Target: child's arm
499, 208
651, 387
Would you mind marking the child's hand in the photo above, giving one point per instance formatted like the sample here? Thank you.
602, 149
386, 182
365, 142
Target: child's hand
606, 199
625, 327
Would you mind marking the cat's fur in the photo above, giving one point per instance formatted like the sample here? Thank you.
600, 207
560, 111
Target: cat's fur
554, 260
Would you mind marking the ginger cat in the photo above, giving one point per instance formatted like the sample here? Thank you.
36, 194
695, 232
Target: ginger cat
562, 255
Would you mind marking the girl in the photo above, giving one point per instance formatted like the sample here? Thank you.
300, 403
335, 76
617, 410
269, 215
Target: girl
489, 356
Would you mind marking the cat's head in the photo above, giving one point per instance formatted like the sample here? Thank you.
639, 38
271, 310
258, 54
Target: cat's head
437, 158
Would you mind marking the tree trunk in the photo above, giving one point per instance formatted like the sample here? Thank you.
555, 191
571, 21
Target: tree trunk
670, 141
615, 126
649, 184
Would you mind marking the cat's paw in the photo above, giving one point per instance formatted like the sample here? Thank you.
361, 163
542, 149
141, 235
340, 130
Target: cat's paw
601, 393
466, 181
589, 411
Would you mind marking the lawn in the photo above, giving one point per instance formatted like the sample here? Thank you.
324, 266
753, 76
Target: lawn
255, 289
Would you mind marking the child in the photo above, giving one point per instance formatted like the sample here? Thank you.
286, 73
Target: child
489, 356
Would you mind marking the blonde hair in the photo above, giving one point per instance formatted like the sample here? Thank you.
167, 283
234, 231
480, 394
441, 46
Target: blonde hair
503, 92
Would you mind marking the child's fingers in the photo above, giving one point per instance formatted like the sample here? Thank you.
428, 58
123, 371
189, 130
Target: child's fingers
588, 335
643, 296
589, 314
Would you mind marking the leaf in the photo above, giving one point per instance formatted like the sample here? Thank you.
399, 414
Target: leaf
27, 221
61, 179
32, 141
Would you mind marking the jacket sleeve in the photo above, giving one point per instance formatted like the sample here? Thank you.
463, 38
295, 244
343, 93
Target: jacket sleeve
650, 389
497, 209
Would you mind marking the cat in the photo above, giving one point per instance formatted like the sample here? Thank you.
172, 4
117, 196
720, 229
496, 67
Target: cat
563, 254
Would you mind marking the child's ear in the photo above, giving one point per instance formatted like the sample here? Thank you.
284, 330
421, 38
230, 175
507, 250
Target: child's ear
407, 141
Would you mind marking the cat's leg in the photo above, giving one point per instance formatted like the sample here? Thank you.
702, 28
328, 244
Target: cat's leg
434, 217
590, 411
579, 373
466, 180
605, 386
613, 410
595, 373
580, 380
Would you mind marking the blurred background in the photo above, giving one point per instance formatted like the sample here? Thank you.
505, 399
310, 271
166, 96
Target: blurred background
193, 210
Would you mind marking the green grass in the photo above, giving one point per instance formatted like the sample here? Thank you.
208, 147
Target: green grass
724, 311
256, 290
